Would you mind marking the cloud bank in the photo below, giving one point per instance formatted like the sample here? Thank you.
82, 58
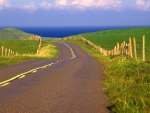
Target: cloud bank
64, 4
76, 4
4, 4
30, 7
143, 4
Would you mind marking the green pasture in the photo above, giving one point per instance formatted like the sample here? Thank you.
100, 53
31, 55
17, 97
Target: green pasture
108, 39
27, 50
20, 46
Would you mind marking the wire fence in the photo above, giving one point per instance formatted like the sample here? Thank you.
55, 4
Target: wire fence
8, 52
5, 52
130, 49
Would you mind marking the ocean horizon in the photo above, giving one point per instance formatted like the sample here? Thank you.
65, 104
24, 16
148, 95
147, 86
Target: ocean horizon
60, 32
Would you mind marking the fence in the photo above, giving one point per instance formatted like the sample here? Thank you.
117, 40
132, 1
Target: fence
5, 52
39, 46
38, 38
8, 52
124, 48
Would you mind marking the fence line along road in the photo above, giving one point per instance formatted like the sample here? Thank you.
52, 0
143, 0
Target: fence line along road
8, 52
120, 49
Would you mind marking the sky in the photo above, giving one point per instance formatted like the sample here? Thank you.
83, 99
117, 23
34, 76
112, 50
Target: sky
74, 12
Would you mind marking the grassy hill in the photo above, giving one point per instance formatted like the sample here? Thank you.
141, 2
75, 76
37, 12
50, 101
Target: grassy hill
13, 34
107, 39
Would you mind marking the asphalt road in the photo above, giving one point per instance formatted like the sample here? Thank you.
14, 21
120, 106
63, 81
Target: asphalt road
71, 83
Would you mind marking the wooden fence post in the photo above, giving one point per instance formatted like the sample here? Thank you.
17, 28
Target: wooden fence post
124, 45
87, 42
143, 47
2, 51
9, 53
121, 48
99, 48
39, 47
12, 53
105, 52
5, 52
115, 50
16, 53
126, 49
135, 53
118, 52
108, 53
130, 48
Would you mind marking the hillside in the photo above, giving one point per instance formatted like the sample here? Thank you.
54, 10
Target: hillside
13, 34
108, 38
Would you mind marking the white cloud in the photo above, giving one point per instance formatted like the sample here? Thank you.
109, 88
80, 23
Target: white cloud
4, 4
45, 5
97, 3
87, 4
143, 4
65, 4
61, 2
30, 7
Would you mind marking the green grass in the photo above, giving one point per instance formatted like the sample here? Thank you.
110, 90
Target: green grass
13, 34
27, 50
13, 60
108, 39
127, 85
127, 82
20, 46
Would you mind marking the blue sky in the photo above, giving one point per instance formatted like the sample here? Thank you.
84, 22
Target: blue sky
74, 12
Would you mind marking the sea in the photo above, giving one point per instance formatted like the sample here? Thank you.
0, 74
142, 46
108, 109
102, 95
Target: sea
65, 31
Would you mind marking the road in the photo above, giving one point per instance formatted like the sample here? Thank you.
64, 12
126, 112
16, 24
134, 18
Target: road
71, 83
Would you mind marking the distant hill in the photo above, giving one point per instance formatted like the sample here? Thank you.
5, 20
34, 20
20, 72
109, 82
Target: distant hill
14, 34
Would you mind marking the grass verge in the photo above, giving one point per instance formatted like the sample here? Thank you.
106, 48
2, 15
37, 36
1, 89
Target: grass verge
127, 82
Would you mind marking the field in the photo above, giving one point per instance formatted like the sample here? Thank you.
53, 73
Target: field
108, 39
27, 51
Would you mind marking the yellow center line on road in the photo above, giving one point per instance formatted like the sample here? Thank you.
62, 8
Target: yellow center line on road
22, 75
34, 71
5, 84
